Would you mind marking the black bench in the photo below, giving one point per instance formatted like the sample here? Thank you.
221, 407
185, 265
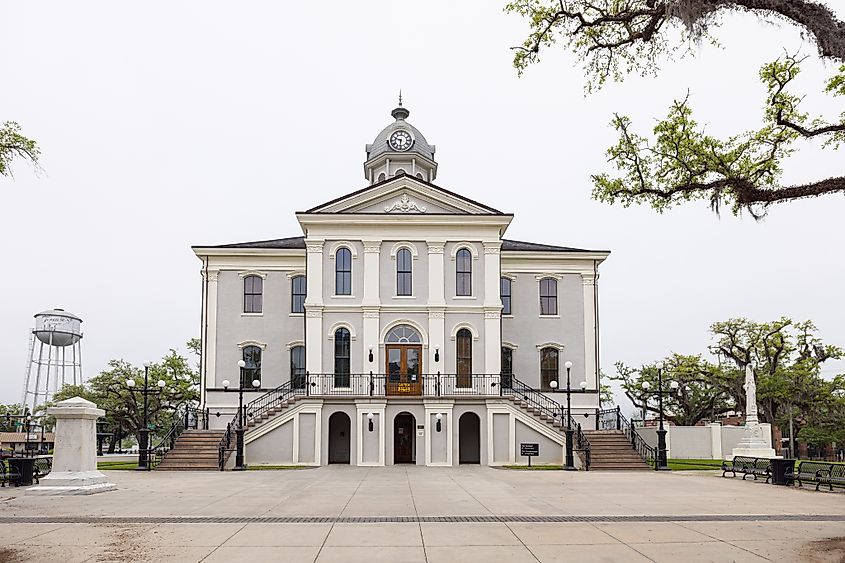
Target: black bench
756, 466
836, 476
8, 474
817, 472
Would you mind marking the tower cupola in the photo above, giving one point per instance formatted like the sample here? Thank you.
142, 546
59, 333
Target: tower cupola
400, 148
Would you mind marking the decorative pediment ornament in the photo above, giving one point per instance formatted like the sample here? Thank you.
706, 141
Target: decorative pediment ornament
404, 205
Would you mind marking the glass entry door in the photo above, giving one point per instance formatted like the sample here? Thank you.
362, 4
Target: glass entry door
404, 369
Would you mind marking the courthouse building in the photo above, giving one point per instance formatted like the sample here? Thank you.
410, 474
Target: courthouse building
400, 326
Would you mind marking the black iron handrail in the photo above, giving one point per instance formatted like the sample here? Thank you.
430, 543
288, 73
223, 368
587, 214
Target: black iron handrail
551, 408
613, 419
182, 421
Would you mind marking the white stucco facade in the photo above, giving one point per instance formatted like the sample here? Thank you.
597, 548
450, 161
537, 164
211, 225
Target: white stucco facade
401, 258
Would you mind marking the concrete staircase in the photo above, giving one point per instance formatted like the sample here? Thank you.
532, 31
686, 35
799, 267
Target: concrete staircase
195, 450
272, 412
611, 450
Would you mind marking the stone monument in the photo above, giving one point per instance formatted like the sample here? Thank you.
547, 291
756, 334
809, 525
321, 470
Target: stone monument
74, 469
753, 443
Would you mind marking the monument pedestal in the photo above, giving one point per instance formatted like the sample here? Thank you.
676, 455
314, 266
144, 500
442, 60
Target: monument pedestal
753, 444
74, 469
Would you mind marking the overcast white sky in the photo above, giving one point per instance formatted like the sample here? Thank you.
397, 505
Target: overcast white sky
169, 124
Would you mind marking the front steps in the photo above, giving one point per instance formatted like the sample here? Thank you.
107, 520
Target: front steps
272, 412
610, 450
195, 450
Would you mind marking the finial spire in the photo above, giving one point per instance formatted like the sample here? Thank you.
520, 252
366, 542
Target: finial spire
400, 97
400, 112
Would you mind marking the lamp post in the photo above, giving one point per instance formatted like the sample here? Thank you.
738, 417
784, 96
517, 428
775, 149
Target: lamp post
662, 463
570, 449
144, 432
239, 430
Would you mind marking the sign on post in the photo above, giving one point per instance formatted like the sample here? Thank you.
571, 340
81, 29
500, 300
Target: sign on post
529, 449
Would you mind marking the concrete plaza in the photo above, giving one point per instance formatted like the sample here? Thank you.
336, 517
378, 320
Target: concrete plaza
342, 513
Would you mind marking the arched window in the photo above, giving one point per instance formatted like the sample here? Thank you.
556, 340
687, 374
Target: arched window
548, 367
381, 177
253, 289
341, 357
252, 370
297, 294
404, 277
505, 287
507, 367
343, 272
548, 296
420, 176
463, 355
399, 171
297, 367
403, 334
463, 282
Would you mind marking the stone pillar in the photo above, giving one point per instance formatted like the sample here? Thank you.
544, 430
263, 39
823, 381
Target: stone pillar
715, 440
314, 307
590, 368
365, 438
492, 308
438, 441
74, 469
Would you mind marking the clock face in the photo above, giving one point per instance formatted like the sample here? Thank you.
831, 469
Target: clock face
401, 140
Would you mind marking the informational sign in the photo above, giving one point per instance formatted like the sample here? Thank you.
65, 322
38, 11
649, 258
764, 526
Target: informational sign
529, 449
420, 430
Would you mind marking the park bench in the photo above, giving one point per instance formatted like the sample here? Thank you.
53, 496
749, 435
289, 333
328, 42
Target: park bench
756, 466
836, 476
8, 475
817, 472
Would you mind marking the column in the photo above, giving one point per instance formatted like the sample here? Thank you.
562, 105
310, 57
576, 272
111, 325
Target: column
436, 305
370, 302
210, 336
492, 308
314, 307
434, 439
590, 368
362, 409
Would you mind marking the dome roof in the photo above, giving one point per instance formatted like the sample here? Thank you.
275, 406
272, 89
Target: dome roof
380, 144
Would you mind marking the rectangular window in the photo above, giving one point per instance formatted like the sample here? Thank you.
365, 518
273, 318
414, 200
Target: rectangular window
297, 367
343, 272
507, 367
463, 357
463, 281
404, 275
505, 290
253, 288
252, 370
548, 296
298, 290
341, 357
548, 367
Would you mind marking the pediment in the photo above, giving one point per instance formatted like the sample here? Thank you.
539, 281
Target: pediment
405, 195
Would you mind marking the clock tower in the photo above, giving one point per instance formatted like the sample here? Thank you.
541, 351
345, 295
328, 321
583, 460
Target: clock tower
400, 148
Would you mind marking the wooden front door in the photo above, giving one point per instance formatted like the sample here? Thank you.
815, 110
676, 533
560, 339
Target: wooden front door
404, 369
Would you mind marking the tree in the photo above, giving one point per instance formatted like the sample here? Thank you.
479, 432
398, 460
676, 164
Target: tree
10, 424
14, 145
614, 38
124, 408
701, 391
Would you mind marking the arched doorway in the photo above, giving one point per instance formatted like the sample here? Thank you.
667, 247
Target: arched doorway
403, 357
469, 438
339, 439
404, 449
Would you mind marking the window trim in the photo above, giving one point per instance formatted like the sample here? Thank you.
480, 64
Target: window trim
543, 386
293, 294
337, 271
459, 273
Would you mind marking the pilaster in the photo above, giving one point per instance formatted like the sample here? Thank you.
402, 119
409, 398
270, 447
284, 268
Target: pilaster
314, 306
210, 344
379, 423
590, 368
432, 409
436, 277
436, 339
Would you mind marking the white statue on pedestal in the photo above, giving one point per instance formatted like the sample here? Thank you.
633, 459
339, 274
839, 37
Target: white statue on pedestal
754, 442
74, 469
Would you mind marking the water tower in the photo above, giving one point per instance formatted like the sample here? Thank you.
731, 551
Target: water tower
58, 360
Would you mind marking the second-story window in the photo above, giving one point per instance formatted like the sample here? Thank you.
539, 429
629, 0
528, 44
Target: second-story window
297, 292
343, 272
253, 294
463, 357
252, 370
548, 296
548, 367
463, 281
404, 276
505, 287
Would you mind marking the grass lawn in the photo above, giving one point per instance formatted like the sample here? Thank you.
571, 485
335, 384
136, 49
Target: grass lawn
694, 464
117, 465
277, 467
533, 467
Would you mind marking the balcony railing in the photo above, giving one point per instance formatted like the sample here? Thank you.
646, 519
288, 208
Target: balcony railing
391, 385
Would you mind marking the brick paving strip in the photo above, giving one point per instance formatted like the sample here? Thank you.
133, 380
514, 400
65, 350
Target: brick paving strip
414, 519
